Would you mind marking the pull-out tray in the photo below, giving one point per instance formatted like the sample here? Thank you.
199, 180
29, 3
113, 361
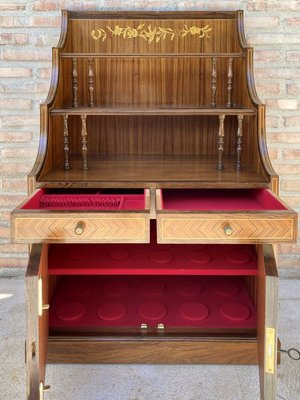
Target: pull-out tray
223, 216
86, 216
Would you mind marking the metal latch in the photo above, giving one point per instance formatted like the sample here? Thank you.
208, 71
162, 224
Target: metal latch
43, 389
41, 306
270, 350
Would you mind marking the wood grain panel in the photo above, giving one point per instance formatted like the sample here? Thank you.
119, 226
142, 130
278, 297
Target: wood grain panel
151, 351
267, 319
37, 326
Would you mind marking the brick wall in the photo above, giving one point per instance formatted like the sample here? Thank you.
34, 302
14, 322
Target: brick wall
28, 30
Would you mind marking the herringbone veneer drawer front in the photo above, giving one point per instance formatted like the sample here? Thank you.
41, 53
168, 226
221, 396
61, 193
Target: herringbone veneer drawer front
100, 228
205, 229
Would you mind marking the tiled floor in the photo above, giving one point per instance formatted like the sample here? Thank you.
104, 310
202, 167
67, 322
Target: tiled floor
143, 382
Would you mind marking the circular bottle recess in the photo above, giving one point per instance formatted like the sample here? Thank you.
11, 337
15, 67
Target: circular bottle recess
119, 254
70, 311
199, 257
238, 256
152, 310
189, 288
152, 287
78, 253
235, 311
194, 311
161, 257
115, 288
111, 311
226, 287
78, 288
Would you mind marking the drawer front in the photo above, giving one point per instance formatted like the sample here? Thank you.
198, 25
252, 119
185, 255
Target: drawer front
121, 228
224, 229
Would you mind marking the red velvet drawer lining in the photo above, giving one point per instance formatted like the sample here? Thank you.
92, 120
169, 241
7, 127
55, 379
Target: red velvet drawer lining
219, 199
176, 302
91, 200
152, 259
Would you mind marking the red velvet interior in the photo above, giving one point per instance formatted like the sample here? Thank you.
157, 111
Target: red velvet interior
128, 301
152, 259
219, 199
91, 200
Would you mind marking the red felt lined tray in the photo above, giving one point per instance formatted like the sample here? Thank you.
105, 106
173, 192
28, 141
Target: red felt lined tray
86, 201
151, 259
129, 301
219, 199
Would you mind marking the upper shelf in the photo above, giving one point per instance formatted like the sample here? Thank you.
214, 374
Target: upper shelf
152, 111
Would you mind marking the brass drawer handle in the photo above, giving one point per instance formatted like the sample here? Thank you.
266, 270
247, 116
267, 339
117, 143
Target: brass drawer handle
228, 230
79, 228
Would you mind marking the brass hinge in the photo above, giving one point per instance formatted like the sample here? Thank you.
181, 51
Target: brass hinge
42, 389
41, 306
270, 348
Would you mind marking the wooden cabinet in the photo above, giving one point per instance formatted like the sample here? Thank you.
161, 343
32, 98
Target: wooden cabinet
152, 204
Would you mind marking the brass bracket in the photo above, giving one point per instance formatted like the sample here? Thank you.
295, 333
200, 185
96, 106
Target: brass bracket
270, 349
41, 306
42, 389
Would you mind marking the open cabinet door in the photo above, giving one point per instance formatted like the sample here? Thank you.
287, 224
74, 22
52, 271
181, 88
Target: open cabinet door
37, 321
267, 321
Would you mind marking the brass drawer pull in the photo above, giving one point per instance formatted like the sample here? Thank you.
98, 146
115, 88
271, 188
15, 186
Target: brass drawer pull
228, 230
79, 228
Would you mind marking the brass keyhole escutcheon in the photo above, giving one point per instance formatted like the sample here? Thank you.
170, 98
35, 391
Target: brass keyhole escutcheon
228, 230
79, 228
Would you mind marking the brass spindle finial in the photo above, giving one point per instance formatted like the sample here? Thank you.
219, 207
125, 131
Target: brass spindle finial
91, 81
74, 81
221, 142
84, 142
213, 81
229, 82
239, 147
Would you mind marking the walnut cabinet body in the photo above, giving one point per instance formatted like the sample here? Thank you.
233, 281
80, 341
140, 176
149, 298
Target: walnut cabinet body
152, 170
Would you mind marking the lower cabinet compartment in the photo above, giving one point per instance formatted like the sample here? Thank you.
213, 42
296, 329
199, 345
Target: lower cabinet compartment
166, 303
151, 303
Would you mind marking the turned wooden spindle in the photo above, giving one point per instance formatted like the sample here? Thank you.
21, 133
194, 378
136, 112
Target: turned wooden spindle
239, 147
221, 142
229, 82
66, 143
91, 81
84, 142
213, 81
74, 81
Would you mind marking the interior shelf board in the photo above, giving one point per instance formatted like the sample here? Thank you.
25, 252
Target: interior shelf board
153, 171
149, 55
153, 111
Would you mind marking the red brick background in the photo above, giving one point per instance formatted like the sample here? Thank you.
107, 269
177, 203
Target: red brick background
28, 30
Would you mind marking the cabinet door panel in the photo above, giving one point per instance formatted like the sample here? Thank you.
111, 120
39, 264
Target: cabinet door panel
267, 303
37, 320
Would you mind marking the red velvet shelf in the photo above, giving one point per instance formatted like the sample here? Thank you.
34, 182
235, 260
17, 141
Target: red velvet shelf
128, 301
151, 259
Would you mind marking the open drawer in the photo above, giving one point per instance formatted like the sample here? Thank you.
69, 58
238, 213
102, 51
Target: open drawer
223, 216
85, 216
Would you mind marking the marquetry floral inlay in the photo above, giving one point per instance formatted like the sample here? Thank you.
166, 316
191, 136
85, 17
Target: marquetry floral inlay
148, 33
